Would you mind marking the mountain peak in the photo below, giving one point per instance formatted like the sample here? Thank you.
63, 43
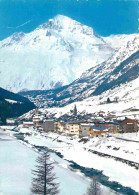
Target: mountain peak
62, 18
60, 22
61, 45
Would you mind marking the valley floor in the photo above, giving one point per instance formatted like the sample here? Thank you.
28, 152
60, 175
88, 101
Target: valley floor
76, 150
18, 159
73, 150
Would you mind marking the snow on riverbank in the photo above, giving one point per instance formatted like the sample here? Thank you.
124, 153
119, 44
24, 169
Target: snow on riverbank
17, 161
127, 149
74, 151
129, 136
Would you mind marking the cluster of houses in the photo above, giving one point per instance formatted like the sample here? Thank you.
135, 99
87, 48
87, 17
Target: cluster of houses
84, 129
92, 125
81, 128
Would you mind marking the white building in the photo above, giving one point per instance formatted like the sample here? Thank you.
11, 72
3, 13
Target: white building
73, 128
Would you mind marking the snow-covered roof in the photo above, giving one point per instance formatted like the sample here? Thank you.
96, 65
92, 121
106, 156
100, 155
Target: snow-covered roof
87, 124
30, 123
95, 128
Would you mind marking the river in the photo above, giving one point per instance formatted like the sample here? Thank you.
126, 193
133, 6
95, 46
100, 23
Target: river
76, 178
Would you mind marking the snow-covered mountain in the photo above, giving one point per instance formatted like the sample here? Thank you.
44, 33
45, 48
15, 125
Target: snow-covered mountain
54, 54
126, 106
121, 68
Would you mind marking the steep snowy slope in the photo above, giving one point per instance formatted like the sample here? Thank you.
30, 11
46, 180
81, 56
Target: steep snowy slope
127, 105
54, 54
122, 67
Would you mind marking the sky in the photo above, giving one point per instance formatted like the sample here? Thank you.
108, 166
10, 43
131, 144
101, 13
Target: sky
106, 17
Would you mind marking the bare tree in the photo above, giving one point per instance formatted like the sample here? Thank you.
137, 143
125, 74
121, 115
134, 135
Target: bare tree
116, 99
43, 180
94, 188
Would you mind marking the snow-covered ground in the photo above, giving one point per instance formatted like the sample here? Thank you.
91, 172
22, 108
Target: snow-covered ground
17, 160
128, 95
73, 150
128, 136
12, 101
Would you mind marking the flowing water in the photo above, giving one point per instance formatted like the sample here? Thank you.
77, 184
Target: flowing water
89, 172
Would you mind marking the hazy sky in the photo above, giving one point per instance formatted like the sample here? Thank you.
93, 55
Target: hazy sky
105, 16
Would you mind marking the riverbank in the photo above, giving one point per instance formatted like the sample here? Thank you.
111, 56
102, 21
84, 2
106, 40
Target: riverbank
72, 149
17, 161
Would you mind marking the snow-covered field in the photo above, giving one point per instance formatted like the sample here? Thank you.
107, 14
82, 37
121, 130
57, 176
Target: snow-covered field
121, 148
73, 150
128, 136
17, 160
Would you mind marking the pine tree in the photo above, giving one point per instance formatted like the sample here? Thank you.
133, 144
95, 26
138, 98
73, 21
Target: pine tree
43, 180
94, 188
108, 100
75, 110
